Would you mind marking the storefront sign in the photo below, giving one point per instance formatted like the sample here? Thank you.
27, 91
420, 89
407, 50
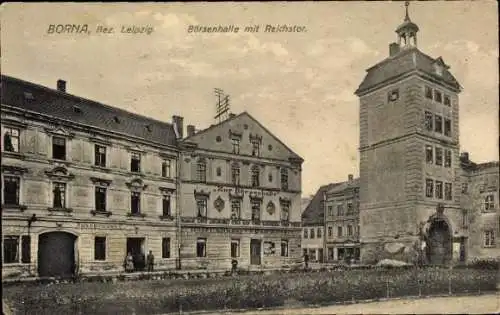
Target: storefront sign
100, 226
257, 193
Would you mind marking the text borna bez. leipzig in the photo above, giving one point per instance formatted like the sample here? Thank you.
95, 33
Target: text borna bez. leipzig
267, 28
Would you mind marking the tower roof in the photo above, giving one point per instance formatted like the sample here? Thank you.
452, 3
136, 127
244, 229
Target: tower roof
407, 24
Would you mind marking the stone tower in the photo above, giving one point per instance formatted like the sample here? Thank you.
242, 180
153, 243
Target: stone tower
409, 154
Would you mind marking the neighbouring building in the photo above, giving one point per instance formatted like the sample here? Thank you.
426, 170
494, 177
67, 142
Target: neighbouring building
240, 196
342, 221
83, 183
411, 176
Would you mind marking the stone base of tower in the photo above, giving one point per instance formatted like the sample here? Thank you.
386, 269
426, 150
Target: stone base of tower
404, 249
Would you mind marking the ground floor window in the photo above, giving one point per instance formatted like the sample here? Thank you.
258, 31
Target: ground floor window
16, 249
489, 238
201, 247
235, 248
100, 248
330, 253
165, 247
284, 248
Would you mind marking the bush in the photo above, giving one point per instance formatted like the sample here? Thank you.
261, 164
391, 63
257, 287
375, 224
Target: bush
485, 263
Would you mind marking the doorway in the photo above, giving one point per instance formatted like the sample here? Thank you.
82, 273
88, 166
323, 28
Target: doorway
439, 243
255, 248
56, 254
136, 247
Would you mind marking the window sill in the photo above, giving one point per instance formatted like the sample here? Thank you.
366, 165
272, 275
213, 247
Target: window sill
68, 210
136, 215
489, 246
166, 217
14, 207
16, 264
13, 154
101, 212
101, 168
66, 162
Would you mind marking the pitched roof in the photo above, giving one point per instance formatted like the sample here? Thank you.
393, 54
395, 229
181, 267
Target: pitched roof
245, 113
340, 187
404, 62
315, 211
43, 100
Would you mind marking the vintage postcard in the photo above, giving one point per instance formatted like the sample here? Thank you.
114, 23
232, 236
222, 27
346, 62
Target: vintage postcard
254, 157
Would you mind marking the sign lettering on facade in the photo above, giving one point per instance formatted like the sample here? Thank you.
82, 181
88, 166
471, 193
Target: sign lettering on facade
258, 193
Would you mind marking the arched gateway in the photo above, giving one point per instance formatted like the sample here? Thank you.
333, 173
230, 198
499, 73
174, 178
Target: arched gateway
56, 254
439, 242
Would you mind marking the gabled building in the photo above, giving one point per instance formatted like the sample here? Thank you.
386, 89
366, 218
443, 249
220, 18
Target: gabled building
83, 184
240, 196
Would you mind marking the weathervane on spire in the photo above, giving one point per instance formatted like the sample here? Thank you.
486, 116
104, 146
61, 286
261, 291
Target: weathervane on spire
407, 4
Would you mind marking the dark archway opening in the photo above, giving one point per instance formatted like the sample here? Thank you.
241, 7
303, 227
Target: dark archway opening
439, 243
56, 254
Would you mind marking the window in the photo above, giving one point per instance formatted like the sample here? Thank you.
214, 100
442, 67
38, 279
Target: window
166, 169
58, 148
447, 158
284, 179
135, 162
429, 121
235, 248
201, 171
447, 191
235, 174
11, 249
270, 177
489, 202
339, 231
438, 97
11, 140
311, 233
100, 248
306, 233
100, 156
201, 205
438, 122
330, 253
429, 154
330, 231
284, 248
235, 142
465, 188
59, 195
439, 189
100, 199
340, 210
319, 233
255, 210
349, 230
330, 210
135, 206
235, 209
255, 147
428, 92
350, 209
218, 171
166, 206
393, 95
464, 218
165, 247
255, 176
285, 210
447, 127
489, 238
447, 100
439, 156
429, 188
201, 247
11, 190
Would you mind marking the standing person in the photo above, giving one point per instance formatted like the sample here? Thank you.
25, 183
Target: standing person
150, 261
306, 260
129, 263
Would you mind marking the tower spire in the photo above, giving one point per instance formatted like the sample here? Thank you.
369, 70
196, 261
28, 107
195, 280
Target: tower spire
407, 16
407, 31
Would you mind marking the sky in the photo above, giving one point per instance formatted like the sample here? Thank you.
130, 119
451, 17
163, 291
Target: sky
299, 85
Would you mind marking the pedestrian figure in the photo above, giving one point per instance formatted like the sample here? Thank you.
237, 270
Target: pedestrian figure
306, 260
150, 261
129, 263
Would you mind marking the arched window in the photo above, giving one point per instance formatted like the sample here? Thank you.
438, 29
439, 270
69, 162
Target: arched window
255, 176
201, 170
284, 179
235, 174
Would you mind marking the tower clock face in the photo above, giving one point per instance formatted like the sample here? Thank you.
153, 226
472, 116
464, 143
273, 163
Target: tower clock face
393, 95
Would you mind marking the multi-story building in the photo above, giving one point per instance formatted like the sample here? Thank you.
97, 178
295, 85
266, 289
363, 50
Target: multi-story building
83, 183
240, 196
313, 224
410, 172
342, 221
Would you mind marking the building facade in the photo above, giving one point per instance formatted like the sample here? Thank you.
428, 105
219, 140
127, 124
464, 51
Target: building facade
342, 222
240, 197
84, 183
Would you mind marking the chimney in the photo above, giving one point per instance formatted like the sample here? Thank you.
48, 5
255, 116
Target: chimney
393, 49
178, 125
190, 130
350, 178
61, 85
231, 115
